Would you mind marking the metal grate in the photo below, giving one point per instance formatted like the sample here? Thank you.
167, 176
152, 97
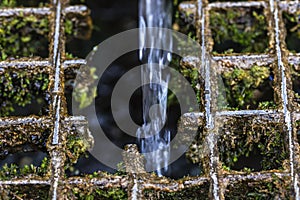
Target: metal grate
216, 183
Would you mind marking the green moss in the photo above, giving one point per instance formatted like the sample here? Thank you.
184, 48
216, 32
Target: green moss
23, 36
19, 88
8, 3
76, 147
259, 190
8, 172
192, 75
198, 192
238, 31
244, 144
114, 193
68, 27
247, 89
292, 25
96, 193
27, 36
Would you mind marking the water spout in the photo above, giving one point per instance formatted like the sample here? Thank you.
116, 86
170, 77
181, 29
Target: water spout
152, 137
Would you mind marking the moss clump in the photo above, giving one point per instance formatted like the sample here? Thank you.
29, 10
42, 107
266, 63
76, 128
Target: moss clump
8, 3
238, 31
8, 172
198, 192
192, 75
19, 88
292, 25
76, 146
96, 193
259, 190
247, 89
22, 36
246, 144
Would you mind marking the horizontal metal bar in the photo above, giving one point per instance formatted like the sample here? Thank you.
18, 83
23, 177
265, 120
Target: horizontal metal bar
26, 181
246, 113
255, 176
74, 63
108, 181
294, 59
23, 120
164, 184
21, 64
12, 12
244, 57
37, 120
24, 64
237, 4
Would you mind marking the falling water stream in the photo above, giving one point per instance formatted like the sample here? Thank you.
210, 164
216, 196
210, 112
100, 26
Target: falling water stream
152, 137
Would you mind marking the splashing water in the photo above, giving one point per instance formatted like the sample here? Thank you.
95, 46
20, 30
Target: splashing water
153, 140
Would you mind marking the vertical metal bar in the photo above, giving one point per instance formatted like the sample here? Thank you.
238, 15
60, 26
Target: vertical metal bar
57, 78
209, 124
284, 94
